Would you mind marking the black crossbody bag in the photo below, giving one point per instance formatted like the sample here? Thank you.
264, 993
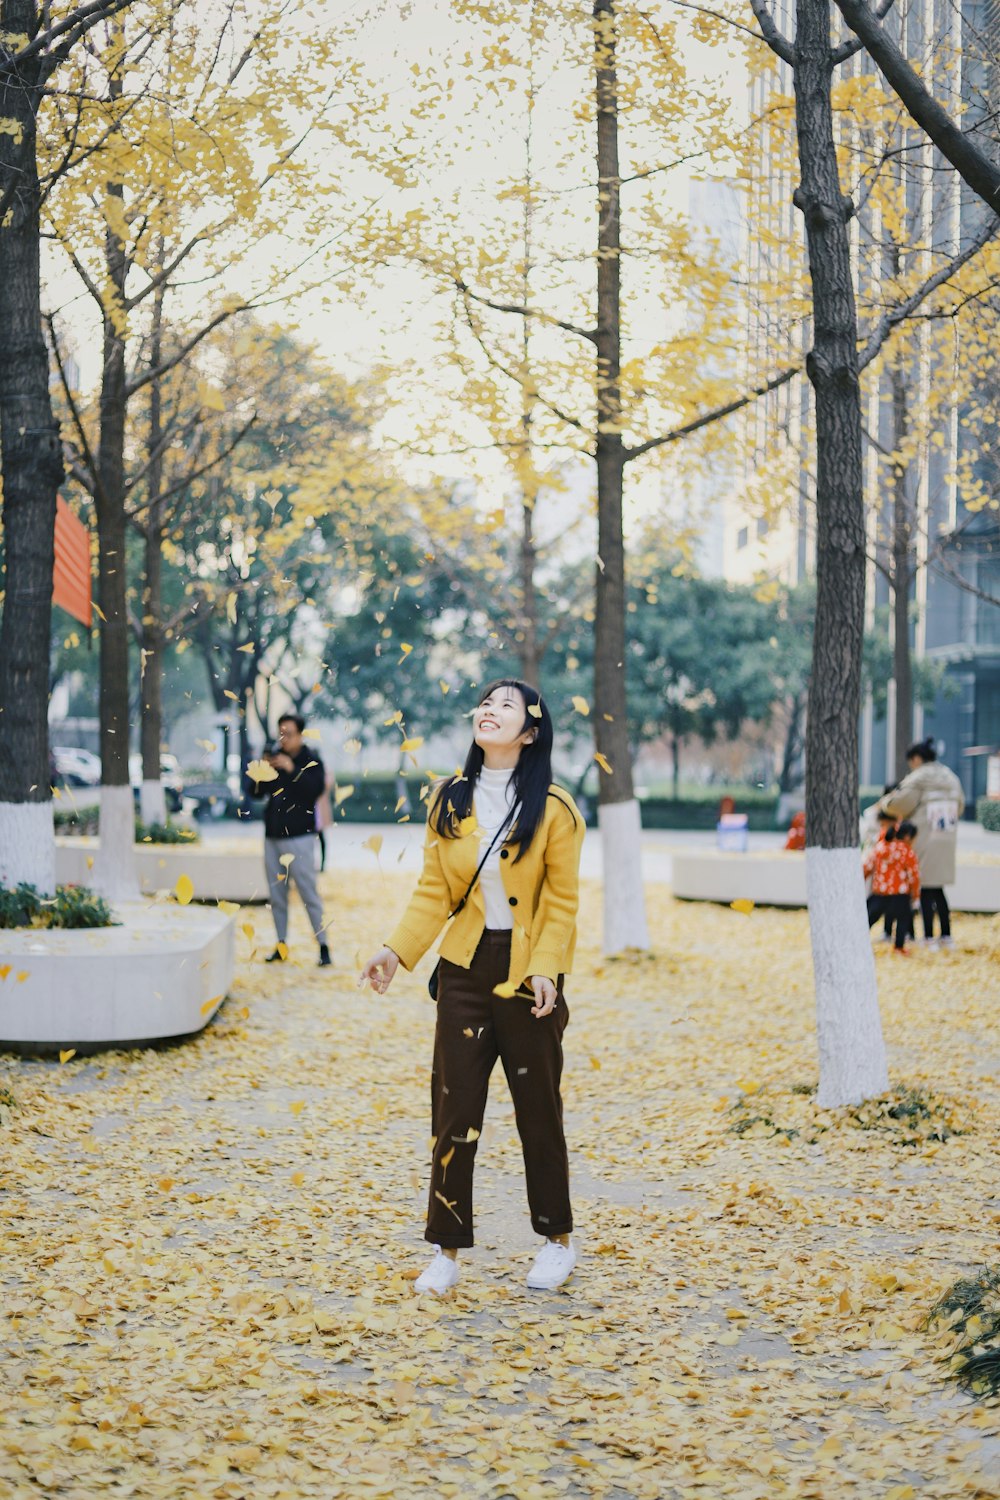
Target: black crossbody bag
432, 978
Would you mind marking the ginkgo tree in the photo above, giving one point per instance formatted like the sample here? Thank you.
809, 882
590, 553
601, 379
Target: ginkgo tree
198, 134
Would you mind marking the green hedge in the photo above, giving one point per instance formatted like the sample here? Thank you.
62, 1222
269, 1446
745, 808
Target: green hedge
86, 822
72, 906
374, 799
988, 813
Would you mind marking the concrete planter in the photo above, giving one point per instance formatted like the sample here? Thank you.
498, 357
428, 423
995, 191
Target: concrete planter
163, 973
779, 879
235, 873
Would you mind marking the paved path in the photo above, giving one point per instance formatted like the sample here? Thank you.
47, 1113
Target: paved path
207, 1248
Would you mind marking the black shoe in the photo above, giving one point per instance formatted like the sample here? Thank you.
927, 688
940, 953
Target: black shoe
277, 957
324, 956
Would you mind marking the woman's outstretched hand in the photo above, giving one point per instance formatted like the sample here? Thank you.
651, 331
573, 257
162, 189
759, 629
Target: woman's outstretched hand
545, 995
379, 969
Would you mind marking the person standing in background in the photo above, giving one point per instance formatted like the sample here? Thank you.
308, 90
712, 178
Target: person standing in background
931, 797
292, 779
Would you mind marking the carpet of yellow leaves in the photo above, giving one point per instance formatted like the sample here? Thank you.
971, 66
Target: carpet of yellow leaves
208, 1249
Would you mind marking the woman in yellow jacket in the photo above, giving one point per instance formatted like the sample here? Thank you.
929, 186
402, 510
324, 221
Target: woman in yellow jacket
503, 959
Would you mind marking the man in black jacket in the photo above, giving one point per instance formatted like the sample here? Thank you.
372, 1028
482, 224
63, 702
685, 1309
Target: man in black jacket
291, 778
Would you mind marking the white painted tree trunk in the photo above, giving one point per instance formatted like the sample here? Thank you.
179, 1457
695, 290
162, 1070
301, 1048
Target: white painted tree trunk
852, 1062
152, 802
27, 846
624, 899
115, 874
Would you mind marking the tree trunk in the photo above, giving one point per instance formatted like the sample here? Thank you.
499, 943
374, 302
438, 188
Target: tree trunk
32, 472
852, 1063
152, 802
531, 660
902, 662
675, 749
618, 811
115, 871
793, 745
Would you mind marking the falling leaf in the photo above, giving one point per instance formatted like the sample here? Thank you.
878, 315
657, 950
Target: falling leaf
210, 1005
64, 1057
444, 686
244, 1012
247, 930
471, 1134
230, 694
595, 1062
184, 890
297, 1107
397, 718
408, 746
581, 705
748, 1085
5, 970
249, 648
165, 1184
405, 648
231, 608
229, 908
742, 904
534, 710
602, 762
467, 1031
282, 951
23, 975
374, 843
286, 860
298, 1178
342, 793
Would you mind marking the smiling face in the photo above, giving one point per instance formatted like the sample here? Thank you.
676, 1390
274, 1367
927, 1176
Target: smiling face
498, 726
289, 737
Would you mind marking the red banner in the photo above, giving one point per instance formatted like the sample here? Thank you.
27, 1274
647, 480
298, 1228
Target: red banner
71, 575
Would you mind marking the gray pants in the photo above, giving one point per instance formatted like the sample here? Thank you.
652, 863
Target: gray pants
302, 870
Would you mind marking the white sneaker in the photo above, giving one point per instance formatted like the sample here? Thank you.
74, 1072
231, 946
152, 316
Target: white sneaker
948, 943
930, 945
441, 1275
553, 1265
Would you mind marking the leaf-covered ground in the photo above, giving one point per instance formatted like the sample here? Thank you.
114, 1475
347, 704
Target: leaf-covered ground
208, 1249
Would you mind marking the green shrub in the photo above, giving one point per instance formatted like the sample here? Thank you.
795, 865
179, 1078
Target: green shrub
86, 823
988, 813
71, 906
165, 833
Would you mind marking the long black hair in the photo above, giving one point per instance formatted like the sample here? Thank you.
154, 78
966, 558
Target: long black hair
532, 776
924, 750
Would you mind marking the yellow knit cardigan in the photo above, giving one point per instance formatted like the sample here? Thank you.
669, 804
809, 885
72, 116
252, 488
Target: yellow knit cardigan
542, 889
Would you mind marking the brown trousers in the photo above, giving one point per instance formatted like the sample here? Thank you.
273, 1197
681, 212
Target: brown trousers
474, 1028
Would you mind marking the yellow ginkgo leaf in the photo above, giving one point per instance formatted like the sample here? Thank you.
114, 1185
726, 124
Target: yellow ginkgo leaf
282, 951
247, 929
581, 705
4, 970
210, 1005
602, 762
229, 908
405, 648
64, 1057
23, 975
742, 904
286, 860
297, 1106
261, 770
342, 793
534, 710
374, 843
184, 890
408, 746
228, 693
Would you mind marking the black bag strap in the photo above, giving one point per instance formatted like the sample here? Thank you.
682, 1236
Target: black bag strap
479, 868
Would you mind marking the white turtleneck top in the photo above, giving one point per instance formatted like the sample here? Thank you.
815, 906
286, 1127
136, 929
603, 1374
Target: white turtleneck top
491, 801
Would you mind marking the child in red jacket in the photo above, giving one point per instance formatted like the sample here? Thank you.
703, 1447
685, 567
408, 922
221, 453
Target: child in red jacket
895, 875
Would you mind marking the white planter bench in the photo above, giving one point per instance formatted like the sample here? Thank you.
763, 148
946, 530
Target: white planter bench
779, 879
218, 874
163, 973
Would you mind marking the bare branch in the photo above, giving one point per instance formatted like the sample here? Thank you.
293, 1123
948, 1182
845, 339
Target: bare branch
716, 415
525, 312
778, 43
972, 163
181, 354
889, 320
196, 473
851, 45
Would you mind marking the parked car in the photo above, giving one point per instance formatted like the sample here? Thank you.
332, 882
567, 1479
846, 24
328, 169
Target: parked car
216, 799
76, 767
170, 776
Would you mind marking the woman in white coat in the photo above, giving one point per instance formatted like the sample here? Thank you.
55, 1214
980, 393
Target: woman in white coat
930, 796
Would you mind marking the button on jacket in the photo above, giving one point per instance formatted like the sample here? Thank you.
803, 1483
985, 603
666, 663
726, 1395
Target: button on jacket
542, 891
